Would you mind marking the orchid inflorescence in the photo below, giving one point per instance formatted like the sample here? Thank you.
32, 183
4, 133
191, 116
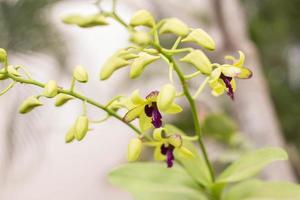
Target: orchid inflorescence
193, 177
145, 49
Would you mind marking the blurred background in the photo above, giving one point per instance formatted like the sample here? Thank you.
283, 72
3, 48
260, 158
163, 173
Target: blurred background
35, 163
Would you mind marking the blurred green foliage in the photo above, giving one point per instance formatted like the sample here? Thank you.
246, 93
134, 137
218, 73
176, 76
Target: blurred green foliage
274, 27
25, 28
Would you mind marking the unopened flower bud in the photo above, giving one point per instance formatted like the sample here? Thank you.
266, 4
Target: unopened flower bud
61, 99
81, 127
111, 66
166, 97
140, 38
142, 18
140, 63
3, 55
3, 74
86, 21
50, 89
175, 140
201, 38
13, 71
199, 60
134, 149
70, 136
175, 26
80, 74
29, 104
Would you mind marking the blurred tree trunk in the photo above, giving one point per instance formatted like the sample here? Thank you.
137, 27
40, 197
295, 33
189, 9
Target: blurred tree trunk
253, 108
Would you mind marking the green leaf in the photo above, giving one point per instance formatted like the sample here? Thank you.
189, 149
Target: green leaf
251, 163
259, 190
196, 167
148, 181
220, 127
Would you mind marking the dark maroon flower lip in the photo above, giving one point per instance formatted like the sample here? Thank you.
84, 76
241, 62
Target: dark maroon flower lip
226, 80
153, 112
168, 151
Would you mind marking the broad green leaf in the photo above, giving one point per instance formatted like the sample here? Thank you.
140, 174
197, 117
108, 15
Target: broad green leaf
259, 190
251, 163
196, 167
148, 181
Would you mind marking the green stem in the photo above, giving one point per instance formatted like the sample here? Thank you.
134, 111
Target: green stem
193, 75
201, 87
80, 97
7, 88
175, 45
194, 113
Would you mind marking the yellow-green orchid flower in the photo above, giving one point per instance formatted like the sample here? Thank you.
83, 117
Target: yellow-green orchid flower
222, 77
149, 109
165, 145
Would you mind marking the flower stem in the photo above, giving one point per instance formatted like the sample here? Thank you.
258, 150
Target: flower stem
194, 113
80, 97
201, 87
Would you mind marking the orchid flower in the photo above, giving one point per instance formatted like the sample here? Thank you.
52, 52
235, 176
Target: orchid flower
149, 109
222, 77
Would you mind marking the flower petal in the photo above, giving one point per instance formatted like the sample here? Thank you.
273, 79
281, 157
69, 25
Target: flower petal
133, 113
136, 98
185, 152
230, 71
245, 73
145, 122
241, 60
158, 155
166, 97
218, 88
173, 109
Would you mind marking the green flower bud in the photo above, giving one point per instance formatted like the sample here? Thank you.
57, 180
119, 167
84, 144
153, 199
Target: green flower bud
134, 149
13, 71
86, 21
175, 140
199, 60
201, 38
3, 55
50, 89
70, 136
80, 74
140, 63
3, 74
29, 104
158, 134
175, 26
81, 127
142, 18
140, 38
112, 64
61, 99
166, 97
